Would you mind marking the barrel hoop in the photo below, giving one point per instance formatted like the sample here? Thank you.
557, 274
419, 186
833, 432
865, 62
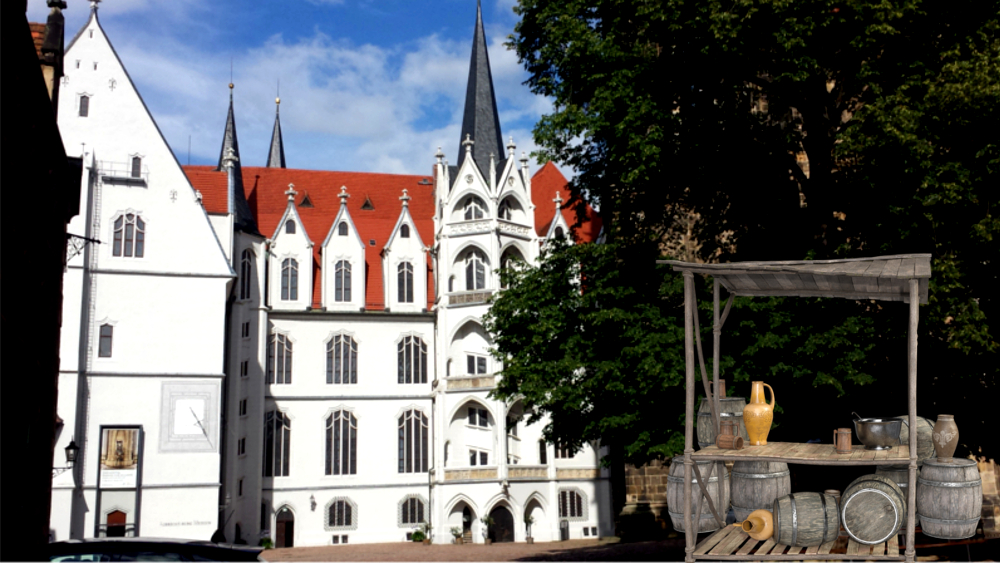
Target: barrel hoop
922, 481
723, 414
795, 520
761, 475
940, 521
822, 500
844, 516
672, 479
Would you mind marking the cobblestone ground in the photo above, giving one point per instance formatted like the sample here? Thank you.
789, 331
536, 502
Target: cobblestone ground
573, 550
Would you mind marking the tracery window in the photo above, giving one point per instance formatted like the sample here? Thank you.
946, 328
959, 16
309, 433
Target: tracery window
342, 360
341, 443
474, 209
570, 504
130, 236
404, 285
411, 358
342, 281
475, 271
246, 270
279, 359
340, 514
289, 279
277, 444
411, 510
413, 451
504, 211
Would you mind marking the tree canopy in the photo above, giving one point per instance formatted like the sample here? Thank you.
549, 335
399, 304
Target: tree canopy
762, 130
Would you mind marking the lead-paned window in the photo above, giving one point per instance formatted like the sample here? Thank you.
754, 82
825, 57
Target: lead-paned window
475, 271
342, 360
342, 443
246, 269
411, 356
279, 359
412, 511
277, 444
340, 514
570, 504
289, 279
342, 281
84, 106
413, 451
404, 285
404, 231
342, 229
129, 237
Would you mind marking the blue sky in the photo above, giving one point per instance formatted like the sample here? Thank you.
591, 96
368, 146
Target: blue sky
366, 85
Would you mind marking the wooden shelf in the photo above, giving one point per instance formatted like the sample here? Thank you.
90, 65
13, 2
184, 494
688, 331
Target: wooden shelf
731, 543
809, 454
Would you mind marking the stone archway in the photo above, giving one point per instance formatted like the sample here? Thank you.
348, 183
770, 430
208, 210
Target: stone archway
502, 529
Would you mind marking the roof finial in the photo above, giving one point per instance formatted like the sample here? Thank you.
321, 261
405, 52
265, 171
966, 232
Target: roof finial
524, 160
291, 193
439, 155
558, 200
511, 146
93, 5
467, 143
229, 159
343, 195
405, 198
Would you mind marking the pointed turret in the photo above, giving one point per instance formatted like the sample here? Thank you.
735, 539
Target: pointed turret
481, 121
276, 157
242, 217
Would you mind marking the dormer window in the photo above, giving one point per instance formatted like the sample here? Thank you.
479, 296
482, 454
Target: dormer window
136, 167
404, 231
84, 106
474, 209
342, 229
290, 227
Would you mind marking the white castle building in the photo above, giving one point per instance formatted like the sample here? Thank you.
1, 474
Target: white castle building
299, 354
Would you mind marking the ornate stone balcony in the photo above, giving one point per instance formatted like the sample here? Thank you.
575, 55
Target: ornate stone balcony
469, 297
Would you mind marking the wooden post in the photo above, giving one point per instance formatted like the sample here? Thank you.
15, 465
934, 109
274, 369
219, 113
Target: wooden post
911, 489
689, 534
717, 414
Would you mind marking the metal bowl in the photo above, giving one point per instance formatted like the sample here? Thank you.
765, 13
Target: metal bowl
878, 433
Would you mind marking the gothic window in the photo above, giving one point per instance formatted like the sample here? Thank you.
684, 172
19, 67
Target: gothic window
289, 279
246, 270
570, 504
342, 281
341, 444
474, 209
413, 451
279, 359
411, 355
479, 417
404, 231
130, 236
411, 511
559, 232
475, 271
504, 210
107, 335
342, 229
404, 285
543, 453
475, 365
342, 360
340, 514
277, 441
84, 106
290, 227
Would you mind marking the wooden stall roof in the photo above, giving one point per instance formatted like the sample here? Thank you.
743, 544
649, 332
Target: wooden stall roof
881, 277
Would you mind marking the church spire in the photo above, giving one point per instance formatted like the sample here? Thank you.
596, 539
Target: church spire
276, 157
229, 155
481, 120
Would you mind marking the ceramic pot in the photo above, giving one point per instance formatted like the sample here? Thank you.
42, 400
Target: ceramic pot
945, 437
759, 525
757, 416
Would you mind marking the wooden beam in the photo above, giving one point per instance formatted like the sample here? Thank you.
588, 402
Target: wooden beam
911, 489
689, 533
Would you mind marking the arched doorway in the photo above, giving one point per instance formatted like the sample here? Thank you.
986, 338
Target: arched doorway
115, 524
502, 529
284, 533
467, 524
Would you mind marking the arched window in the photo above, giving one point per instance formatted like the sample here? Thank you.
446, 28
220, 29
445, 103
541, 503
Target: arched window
290, 227
130, 236
411, 510
413, 450
341, 444
339, 514
510, 259
404, 231
571, 504
475, 271
474, 209
84, 106
503, 211
246, 271
279, 360
411, 356
341, 360
342, 229
559, 232
107, 336
342, 281
277, 444
136, 167
404, 285
289, 279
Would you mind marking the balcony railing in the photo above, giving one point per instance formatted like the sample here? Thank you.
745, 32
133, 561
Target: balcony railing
122, 173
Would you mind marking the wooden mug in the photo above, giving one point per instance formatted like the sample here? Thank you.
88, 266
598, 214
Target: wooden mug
842, 440
729, 442
729, 428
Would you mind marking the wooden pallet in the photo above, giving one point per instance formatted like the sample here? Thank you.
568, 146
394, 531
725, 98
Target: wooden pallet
733, 544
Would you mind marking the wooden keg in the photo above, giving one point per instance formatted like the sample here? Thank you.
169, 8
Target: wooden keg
675, 494
899, 475
949, 498
730, 408
756, 484
872, 509
925, 443
805, 519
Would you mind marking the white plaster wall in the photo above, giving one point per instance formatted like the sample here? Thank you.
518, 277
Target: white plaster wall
179, 512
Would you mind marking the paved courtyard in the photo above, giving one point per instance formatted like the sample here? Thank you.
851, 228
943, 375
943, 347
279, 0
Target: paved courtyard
573, 550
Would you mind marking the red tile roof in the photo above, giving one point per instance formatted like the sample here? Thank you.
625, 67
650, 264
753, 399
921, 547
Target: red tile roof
38, 36
265, 192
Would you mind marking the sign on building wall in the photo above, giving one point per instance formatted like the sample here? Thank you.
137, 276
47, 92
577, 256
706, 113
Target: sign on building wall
120, 451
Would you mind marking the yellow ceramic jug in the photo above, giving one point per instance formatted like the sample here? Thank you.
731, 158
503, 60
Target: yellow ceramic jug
757, 416
759, 525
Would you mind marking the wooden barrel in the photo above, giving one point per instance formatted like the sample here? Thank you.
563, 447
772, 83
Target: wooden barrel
925, 443
805, 519
730, 408
872, 509
756, 484
675, 494
899, 474
949, 498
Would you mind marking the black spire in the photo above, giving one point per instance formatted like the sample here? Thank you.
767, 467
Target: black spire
481, 121
276, 157
242, 217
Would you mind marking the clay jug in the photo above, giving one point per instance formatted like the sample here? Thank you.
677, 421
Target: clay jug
759, 525
945, 437
757, 416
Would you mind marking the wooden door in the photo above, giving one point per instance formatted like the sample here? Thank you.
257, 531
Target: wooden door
115, 524
284, 533
502, 529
